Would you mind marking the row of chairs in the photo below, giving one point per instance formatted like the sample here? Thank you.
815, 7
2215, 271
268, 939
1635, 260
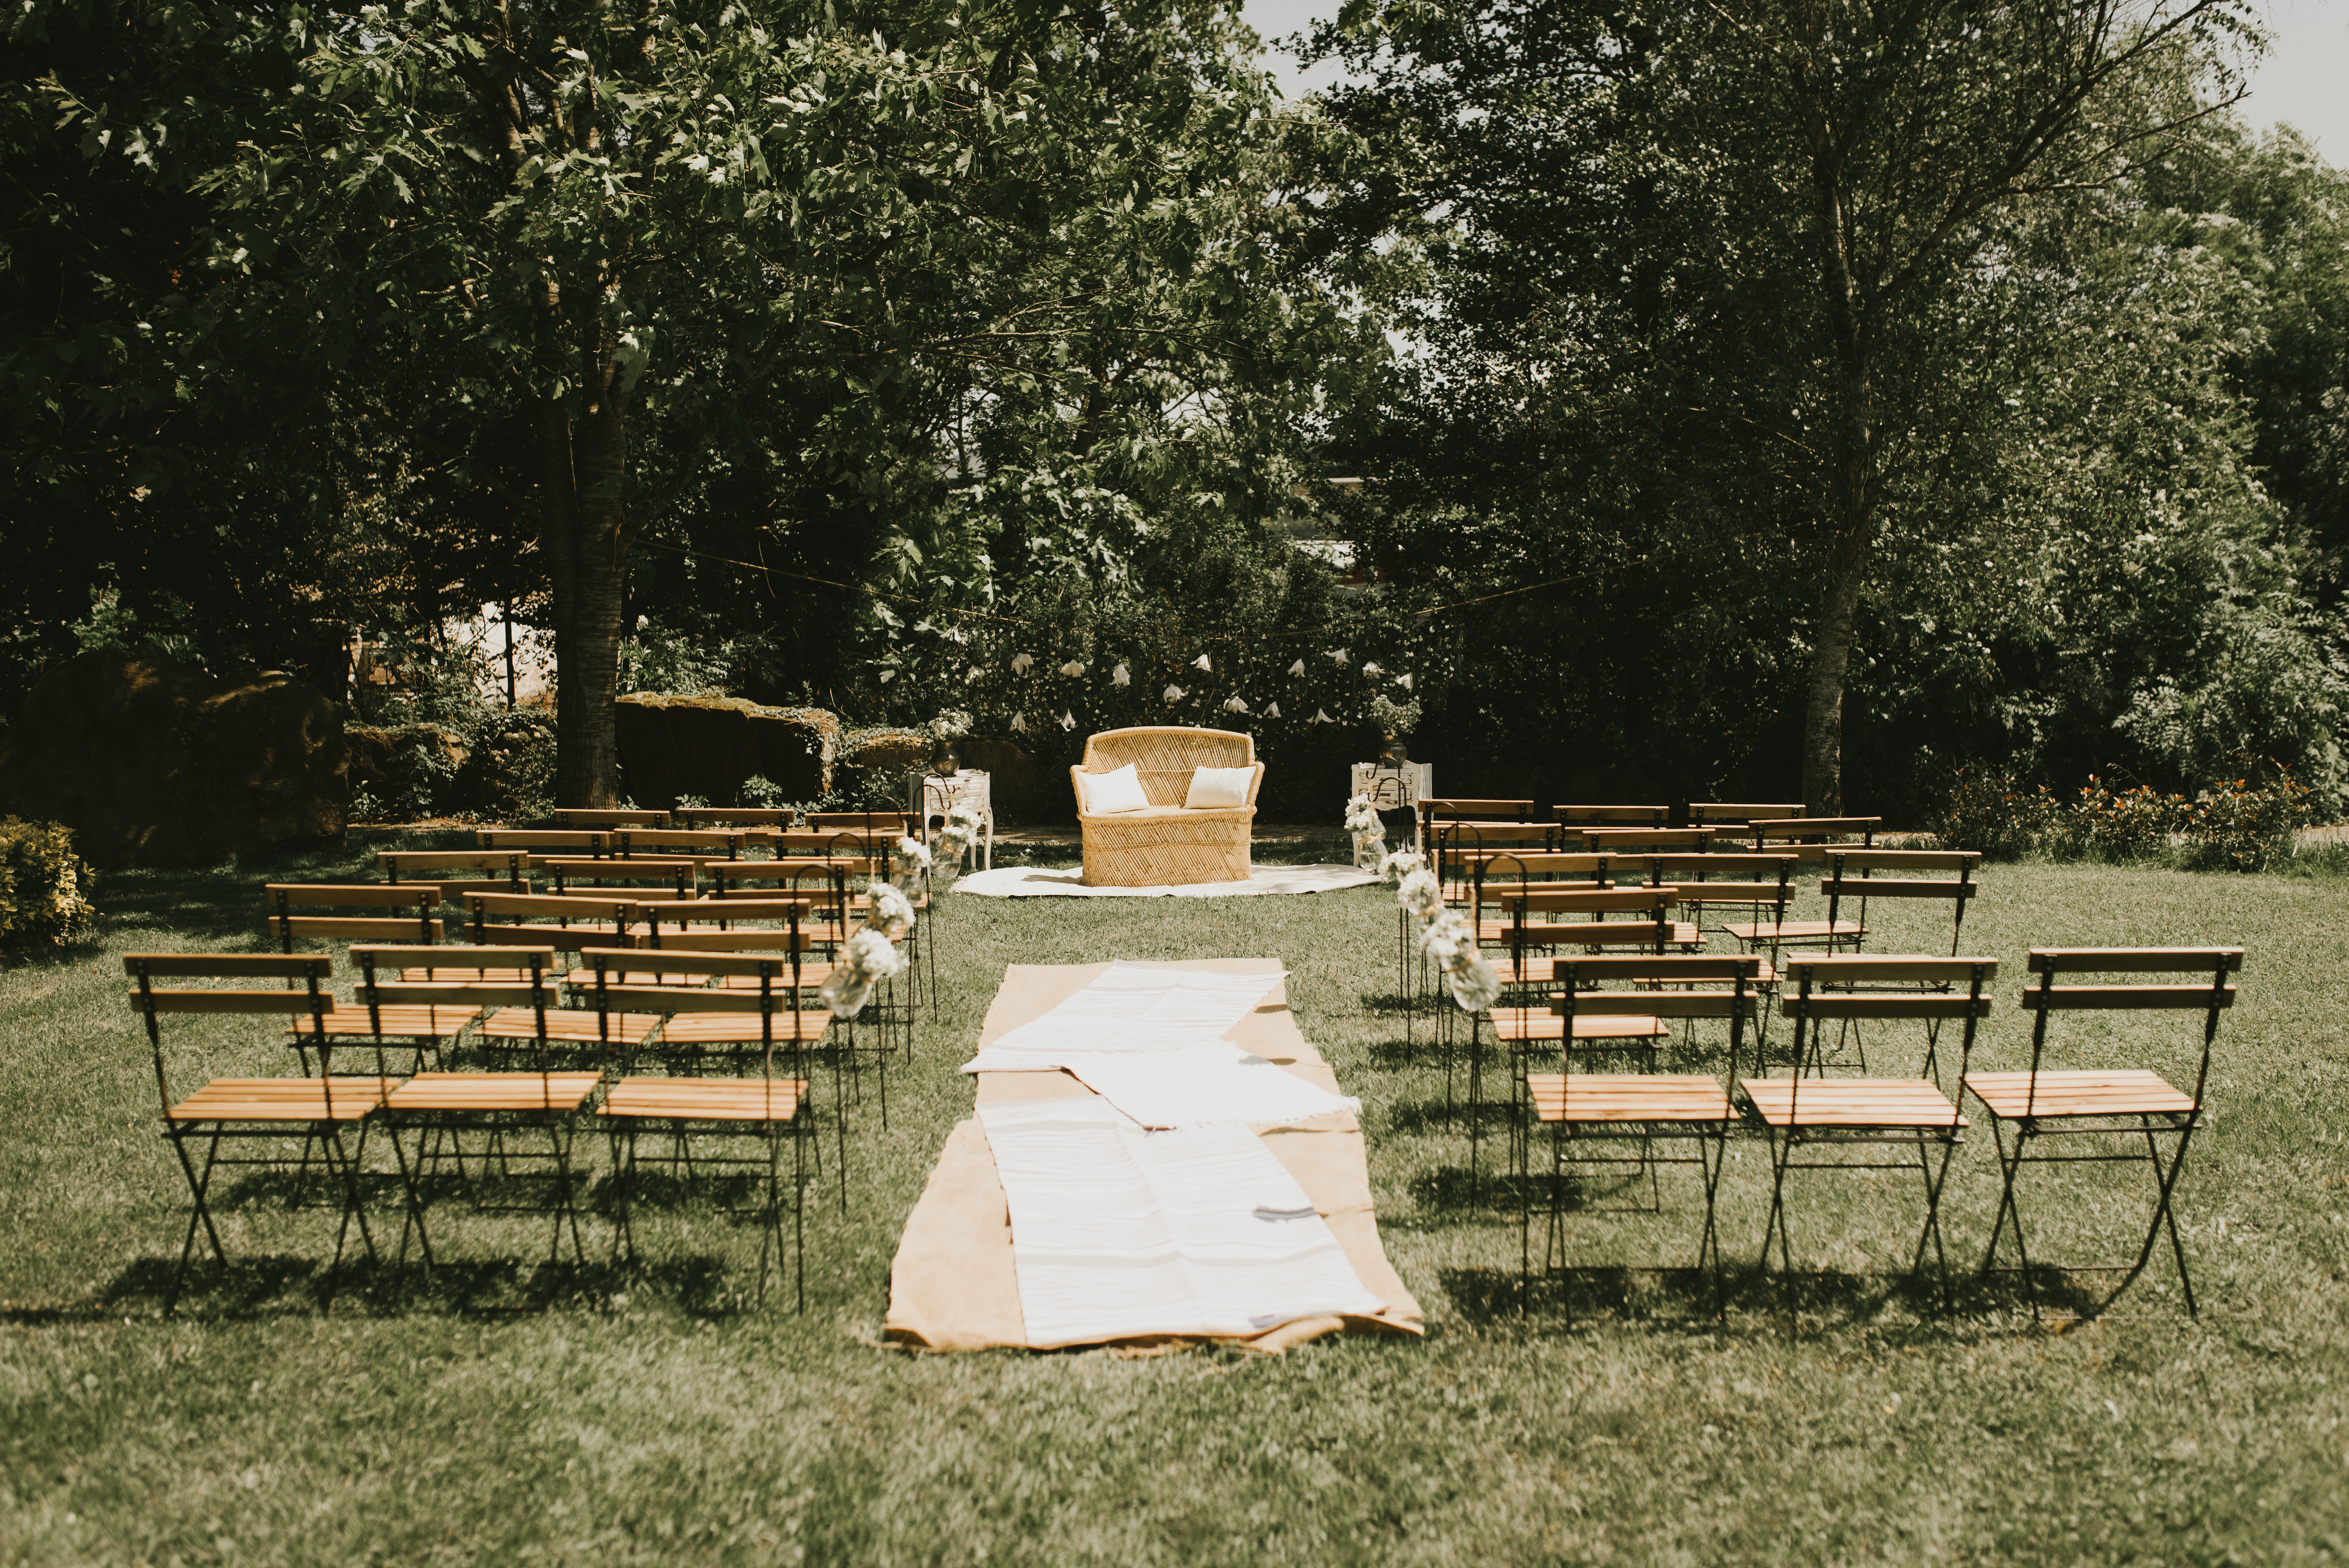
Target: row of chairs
1814, 1120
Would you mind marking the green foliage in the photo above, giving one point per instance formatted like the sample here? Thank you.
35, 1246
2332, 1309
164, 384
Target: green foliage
658, 658
2239, 824
44, 887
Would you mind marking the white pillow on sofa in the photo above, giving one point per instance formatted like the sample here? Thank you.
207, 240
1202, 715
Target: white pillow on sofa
1106, 794
1219, 786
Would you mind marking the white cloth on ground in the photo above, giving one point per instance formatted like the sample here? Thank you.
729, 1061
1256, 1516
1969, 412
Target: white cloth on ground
1117, 1232
1130, 1007
1203, 1085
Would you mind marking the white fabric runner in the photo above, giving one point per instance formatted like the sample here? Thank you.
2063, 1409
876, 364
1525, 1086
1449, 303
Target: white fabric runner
1202, 1085
1036, 882
1117, 1232
1131, 1008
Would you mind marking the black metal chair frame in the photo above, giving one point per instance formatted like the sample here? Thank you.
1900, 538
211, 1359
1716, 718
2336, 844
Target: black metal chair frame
1810, 1004
1709, 1134
2046, 997
324, 1133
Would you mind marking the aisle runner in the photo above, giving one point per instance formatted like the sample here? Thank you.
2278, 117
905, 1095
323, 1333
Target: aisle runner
1121, 1233
955, 1283
1150, 1040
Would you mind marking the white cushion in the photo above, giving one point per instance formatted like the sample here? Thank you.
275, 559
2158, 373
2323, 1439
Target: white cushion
1213, 786
1107, 794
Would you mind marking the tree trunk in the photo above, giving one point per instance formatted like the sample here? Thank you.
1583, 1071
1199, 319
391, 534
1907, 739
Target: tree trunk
583, 529
1852, 487
1830, 664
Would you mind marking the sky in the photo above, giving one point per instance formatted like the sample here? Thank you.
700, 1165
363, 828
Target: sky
2305, 79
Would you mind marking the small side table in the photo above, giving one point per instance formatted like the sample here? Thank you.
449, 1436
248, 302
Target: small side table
1394, 789
938, 793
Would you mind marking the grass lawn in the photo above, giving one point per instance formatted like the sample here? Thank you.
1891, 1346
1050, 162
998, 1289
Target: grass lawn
1840, 1418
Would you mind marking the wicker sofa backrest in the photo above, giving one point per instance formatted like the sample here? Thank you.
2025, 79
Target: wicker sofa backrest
1164, 758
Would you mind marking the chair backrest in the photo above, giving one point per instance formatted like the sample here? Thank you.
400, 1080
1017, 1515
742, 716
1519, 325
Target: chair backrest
2211, 994
535, 990
403, 866
607, 817
1736, 814
1164, 757
1627, 816
1499, 868
1631, 985
734, 815
894, 823
1457, 808
1851, 873
1839, 986
151, 1002
738, 879
649, 878
596, 919
712, 843
1628, 840
1814, 829
1650, 908
777, 991
418, 902
721, 925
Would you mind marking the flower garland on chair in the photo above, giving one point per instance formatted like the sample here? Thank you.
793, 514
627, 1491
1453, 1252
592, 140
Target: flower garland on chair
1445, 937
871, 956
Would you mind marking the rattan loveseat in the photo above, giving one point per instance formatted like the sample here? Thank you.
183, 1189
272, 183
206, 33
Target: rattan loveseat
1166, 844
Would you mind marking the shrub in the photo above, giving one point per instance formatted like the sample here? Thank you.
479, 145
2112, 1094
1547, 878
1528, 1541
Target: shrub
2110, 824
1994, 812
44, 887
2243, 827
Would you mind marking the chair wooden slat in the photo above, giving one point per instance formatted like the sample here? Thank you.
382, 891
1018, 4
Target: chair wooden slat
258, 1002
231, 966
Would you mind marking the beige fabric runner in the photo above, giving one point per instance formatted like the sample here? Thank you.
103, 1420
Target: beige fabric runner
953, 1285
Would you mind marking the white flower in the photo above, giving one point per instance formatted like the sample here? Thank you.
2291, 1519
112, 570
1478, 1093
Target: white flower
1019, 723
892, 912
1445, 934
1373, 669
1022, 663
1418, 891
1068, 721
1403, 681
643, 621
871, 954
1173, 694
1073, 668
1338, 656
1321, 718
1121, 675
909, 859
972, 678
1474, 985
1298, 668
1201, 663
964, 815
1362, 817
1236, 705
1272, 710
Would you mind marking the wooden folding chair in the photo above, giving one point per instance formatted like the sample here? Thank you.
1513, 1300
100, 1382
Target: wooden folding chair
543, 841
1807, 839
2041, 1104
766, 989
695, 844
313, 1110
1804, 1110
1718, 878
542, 1099
1442, 820
1646, 1108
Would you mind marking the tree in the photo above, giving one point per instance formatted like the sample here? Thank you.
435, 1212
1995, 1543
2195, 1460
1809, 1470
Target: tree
591, 237
1797, 187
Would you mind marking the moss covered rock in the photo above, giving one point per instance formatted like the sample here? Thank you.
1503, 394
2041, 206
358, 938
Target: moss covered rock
706, 745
